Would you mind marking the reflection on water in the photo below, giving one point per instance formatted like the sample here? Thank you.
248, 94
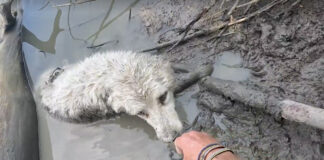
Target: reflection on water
44, 46
68, 32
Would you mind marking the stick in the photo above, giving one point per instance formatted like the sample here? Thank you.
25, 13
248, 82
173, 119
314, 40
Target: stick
287, 109
233, 8
72, 3
248, 3
214, 29
194, 77
188, 26
101, 44
303, 113
194, 35
263, 9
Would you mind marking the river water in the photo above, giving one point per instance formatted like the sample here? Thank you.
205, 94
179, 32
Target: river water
56, 36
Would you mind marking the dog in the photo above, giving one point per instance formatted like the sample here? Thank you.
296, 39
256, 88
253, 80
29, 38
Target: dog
110, 83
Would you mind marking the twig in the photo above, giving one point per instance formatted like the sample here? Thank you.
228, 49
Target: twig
233, 8
222, 4
103, 21
45, 5
194, 35
72, 3
69, 27
289, 8
130, 14
220, 35
263, 9
248, 3
112, 20
214, 38
101, 44
188, 27
87, 21
247, 9
216, 28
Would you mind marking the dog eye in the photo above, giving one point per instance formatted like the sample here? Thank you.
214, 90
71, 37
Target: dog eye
142, 114
163, 97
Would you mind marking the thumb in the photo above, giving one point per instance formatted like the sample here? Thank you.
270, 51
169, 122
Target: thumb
179, 150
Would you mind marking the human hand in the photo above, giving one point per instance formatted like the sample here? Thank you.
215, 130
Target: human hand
191, 143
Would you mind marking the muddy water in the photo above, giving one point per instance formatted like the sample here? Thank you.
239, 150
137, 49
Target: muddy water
228, 66
53, 37
57, 36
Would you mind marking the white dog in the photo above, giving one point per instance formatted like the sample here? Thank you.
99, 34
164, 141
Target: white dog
110, 83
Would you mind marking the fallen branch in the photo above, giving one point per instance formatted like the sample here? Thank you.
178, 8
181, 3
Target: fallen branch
287, 109
215, 28
72, 3
193, 78
302, 113
189, 26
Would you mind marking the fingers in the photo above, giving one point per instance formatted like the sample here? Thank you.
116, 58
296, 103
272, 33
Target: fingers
178, 144
179, 150
183, 140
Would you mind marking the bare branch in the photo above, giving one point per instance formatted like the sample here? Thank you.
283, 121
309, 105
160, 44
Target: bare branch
72, 3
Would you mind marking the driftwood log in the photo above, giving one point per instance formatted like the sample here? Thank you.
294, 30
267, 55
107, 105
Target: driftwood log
302, 113
286, 109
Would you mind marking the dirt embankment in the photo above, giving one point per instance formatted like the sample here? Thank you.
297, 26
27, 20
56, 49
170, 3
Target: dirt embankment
18, 119
283, 48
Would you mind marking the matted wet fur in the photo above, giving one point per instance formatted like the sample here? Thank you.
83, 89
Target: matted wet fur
110, 83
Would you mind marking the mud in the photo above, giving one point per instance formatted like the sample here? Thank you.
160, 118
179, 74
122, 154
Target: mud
18, 120
283, 49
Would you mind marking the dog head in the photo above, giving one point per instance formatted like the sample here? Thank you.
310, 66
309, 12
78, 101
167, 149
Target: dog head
145, 89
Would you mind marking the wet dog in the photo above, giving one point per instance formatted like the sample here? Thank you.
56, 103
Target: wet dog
111, 83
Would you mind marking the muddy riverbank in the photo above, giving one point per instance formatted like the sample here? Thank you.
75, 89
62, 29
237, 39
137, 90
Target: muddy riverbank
284, 51
18, 119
